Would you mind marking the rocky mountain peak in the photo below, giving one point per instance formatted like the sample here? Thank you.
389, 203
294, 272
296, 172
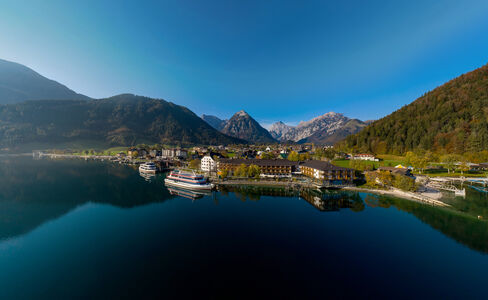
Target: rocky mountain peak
319, 129
241, 113
242, 125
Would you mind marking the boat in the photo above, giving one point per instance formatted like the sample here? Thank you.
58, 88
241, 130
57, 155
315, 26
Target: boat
189, 181
148, 167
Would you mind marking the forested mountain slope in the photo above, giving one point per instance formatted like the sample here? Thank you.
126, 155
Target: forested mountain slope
451, 118
120, 120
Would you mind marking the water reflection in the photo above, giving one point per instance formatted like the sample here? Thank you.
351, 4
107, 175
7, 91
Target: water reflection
475, 203
460, 226
189, 194
148, 176
332, 201
35, 191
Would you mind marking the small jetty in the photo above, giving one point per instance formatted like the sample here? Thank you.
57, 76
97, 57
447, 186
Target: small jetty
446, 185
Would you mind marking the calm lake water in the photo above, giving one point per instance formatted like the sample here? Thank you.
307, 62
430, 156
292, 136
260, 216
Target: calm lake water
79, 229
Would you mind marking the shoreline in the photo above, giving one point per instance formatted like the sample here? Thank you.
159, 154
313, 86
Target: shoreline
402, 194
416, 197
412, 196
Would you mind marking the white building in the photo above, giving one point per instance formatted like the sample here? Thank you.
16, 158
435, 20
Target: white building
208, 164
181, 153
364, 157
174, 153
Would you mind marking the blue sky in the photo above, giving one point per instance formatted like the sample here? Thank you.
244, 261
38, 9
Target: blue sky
278, 60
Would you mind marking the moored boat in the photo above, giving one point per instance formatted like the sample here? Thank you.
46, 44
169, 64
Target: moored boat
148, 167
188, 181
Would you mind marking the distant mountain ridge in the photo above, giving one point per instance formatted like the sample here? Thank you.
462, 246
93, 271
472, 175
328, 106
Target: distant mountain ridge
241, 125
327, 129
120, 120
19, 83
214, 121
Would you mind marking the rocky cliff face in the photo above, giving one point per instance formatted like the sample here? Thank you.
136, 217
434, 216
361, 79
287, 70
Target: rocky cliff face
317, 130
280, 129
243, 126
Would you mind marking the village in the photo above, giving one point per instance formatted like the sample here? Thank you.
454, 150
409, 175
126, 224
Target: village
305, 165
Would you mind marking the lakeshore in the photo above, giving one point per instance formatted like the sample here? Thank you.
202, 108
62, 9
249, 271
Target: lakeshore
413, 196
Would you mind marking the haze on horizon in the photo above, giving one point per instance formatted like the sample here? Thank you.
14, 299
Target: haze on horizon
277, 60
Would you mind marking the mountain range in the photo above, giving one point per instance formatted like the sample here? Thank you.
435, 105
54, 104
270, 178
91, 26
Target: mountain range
452, 118
120, 120
38, 112
325, 129
19, 83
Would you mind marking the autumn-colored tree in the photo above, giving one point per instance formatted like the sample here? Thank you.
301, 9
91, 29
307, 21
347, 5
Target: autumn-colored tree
194, 164
241, 171
268, 155
293, 156
224, 173
304, 156
464, 165
253, 171
449, 161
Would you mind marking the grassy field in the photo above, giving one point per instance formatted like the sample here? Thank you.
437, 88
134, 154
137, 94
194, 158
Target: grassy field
376, 164
391, 157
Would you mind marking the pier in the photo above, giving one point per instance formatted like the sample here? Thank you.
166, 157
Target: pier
446, 185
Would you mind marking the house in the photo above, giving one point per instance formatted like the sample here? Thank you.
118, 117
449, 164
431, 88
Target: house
208, 164
180, 153
268, 167
137, 152
174, 153
132, 152
154, 153
249, 153
325, 171
483, 166
363, 156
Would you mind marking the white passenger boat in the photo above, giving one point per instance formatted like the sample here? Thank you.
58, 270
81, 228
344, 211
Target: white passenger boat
148, 167
189, 181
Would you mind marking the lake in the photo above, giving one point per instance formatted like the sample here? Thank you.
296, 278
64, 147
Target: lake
79, 229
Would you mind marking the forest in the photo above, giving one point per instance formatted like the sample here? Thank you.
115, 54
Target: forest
451, 119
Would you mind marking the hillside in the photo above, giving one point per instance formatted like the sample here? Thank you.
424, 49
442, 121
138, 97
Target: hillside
243, 126
451, 118
121, 120
19, 83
